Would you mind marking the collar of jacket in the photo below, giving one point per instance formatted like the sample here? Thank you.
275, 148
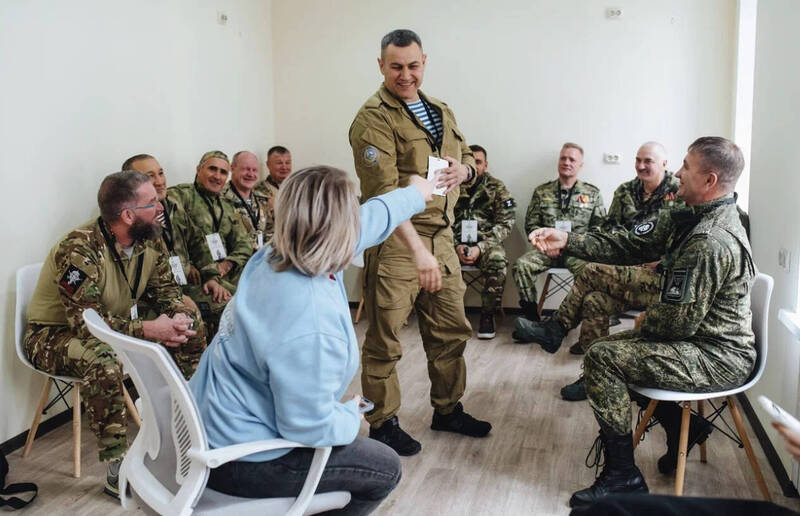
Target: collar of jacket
206, 193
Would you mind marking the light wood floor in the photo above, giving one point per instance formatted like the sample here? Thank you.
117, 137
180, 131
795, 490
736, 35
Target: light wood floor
530, 463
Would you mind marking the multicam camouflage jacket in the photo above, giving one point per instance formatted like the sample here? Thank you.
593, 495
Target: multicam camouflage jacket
255, 216
629, 207
582, 205
489, 203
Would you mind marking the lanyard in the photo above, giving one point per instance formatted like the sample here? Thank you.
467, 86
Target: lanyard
210, 209
415, 120
118, 260
169, 236
561, 207
253, 218
437, 135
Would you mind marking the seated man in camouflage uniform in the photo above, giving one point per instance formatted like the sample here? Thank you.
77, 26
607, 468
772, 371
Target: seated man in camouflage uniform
252, 205
601, 290
484, 216
565, 203
698, 336
110, 264
279, 166
218, 244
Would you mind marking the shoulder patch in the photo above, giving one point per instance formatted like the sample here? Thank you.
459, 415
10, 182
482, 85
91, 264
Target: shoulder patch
675, 286
72, 279
509, 203
370, 155
644, 228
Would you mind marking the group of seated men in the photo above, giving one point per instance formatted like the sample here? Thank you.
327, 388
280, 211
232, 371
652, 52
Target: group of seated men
160, 264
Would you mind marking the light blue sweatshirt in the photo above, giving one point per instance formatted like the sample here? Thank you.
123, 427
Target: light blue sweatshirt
286, 350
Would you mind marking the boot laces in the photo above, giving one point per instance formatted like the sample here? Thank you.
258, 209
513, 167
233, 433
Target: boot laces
596, 456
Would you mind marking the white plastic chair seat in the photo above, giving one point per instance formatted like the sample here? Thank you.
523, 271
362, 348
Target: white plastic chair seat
558, 271
216, 503
469, 268
665, 395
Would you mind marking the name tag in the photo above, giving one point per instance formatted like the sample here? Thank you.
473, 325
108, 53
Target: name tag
469, 231
177, 270
564, 225
134, 312
216, 247
259, 240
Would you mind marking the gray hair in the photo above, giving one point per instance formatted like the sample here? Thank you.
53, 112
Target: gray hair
316, 222
117, 191
719, 155
400, 38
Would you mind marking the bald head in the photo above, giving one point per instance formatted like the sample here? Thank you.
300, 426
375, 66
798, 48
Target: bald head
244, 171
651, 163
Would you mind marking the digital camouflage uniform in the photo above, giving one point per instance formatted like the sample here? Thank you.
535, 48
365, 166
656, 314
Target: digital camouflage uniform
389, 145
489, 203
698, 336
601, 290
253, 215
268, 189
584, 208
80, 273
193, 198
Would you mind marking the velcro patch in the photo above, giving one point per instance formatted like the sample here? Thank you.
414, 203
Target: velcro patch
509, 203
370, 155
644, 228
676, 286
72, 279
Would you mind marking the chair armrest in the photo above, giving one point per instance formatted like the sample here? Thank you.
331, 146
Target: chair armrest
219, 456
318, 462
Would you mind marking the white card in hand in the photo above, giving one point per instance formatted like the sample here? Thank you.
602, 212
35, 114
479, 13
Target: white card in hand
469, 231
216, 247
435, 165
564, 225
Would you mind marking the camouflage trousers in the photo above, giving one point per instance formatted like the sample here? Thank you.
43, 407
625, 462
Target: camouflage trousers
614, 362
600, 291
493, 266
56, 350
209, 309
533, 263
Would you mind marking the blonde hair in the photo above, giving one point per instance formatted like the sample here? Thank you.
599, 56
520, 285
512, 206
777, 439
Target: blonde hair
316, 222
570, 145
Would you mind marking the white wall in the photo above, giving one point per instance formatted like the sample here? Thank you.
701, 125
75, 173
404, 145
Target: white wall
522, 76
85, 84
774, 190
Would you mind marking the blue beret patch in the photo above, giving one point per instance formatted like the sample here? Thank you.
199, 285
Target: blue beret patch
644, 228
370, 155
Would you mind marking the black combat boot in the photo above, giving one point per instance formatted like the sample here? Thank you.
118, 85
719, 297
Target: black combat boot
390, 434
669, 415
460, 422
486, 326
574, 391
619, 475
530, 310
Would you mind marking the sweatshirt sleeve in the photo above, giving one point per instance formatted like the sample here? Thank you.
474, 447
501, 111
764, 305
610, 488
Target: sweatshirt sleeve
382, 214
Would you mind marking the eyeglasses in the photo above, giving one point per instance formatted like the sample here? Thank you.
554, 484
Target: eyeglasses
143, 207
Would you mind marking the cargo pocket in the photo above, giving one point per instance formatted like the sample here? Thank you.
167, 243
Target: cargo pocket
395, 286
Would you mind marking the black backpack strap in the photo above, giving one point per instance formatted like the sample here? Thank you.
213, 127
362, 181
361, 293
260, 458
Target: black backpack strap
7, 498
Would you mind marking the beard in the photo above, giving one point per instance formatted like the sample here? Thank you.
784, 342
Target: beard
141, 230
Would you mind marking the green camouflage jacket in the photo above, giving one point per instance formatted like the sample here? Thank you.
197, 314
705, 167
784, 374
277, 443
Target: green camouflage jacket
80, 272
174, 232
584, 207
253, 217
629, 208
195, 201
488, 202
708, 272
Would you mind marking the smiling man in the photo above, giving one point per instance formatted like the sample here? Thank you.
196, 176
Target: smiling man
565, 202
698, 336
393, 135
252, 206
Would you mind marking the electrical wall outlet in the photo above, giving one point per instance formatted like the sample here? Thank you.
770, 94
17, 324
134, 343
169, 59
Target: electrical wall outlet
614, 13
612, 158
222, 17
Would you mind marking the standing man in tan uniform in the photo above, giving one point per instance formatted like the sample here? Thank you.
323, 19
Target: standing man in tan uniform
392, 137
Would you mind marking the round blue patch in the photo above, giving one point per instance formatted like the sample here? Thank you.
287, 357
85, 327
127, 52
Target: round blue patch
644, 228
370, 155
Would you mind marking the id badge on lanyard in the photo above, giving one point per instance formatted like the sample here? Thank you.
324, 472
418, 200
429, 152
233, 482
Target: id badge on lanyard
260, 239
564, 225
469, 231
177, 270
216, 247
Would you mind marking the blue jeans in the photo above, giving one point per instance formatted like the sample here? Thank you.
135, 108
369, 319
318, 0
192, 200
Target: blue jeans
368, 469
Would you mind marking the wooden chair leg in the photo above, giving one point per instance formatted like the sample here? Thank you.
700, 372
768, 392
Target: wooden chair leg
37, 417
748, 448
701, 411
76, 429
683, 444
132, 412
648, 413
543, 295
358, 310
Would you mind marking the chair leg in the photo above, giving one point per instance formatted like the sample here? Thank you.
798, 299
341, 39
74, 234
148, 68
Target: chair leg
76, 429
683, 444
748, 448
648, 414
701, 411
37, 417
132, 412
358, 310
543, 295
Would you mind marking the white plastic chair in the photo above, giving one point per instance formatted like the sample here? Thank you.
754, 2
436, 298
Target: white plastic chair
759, 301
168, 463
561, 280
27, 276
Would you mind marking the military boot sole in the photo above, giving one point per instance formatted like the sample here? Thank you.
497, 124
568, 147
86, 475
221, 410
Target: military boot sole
487, 335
